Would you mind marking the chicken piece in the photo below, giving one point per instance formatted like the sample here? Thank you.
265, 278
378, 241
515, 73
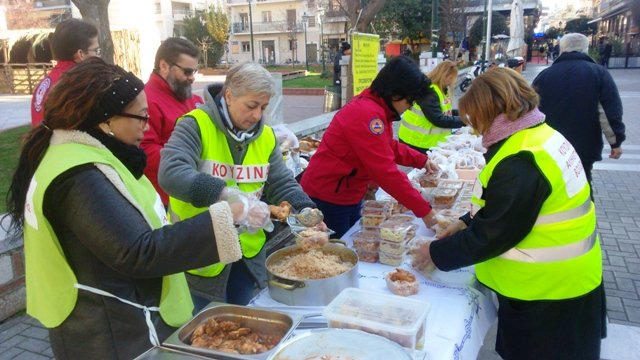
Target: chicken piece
229, 326
280, 212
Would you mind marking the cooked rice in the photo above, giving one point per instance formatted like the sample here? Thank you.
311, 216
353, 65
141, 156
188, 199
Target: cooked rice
312, 264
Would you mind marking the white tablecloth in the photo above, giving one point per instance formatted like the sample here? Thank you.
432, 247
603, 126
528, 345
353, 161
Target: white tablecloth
461, 310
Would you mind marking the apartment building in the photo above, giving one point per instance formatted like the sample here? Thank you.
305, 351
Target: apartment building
285, 31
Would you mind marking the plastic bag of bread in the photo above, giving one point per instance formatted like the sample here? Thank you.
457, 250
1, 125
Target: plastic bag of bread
402, 282
416, 253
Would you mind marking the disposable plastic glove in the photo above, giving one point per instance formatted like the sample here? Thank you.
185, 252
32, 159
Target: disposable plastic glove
258, 217
238, 202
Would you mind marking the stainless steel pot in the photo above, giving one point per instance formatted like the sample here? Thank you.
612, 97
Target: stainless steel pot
311, 292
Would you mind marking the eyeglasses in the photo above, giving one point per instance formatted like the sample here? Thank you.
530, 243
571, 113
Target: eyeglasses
143, 118
97, 51
187, 71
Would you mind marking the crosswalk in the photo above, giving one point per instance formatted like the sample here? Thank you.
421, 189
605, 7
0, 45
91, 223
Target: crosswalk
629, 161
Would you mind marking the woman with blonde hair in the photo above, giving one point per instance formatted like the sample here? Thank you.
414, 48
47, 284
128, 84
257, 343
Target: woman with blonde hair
432, 117
532, 231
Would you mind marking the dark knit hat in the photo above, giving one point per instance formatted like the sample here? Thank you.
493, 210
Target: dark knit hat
345, 46
113, 101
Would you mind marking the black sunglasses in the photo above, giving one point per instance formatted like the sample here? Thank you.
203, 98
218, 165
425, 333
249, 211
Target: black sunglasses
143, 118
187, 71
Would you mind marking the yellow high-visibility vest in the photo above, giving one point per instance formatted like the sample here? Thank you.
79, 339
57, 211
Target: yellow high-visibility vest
560, 258
51, 291
417, 130
249, 177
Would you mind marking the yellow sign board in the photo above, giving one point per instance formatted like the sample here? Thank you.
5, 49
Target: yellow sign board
364, 55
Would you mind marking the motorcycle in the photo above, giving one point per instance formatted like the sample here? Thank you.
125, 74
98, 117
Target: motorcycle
480, 67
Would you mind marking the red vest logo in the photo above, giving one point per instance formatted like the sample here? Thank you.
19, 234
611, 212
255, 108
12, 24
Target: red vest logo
376, 126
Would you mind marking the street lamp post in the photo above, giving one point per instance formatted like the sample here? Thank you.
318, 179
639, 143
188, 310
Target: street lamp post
305, 19
253, 57
321, 14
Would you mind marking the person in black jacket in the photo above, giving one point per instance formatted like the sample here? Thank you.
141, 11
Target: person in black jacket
345, 49
104, 269
571, 92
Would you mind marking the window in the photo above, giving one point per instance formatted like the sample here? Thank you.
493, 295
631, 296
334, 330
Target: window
293, 44
266, 16
246, 46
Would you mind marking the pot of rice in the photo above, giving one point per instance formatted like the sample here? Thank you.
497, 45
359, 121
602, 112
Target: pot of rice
302, 277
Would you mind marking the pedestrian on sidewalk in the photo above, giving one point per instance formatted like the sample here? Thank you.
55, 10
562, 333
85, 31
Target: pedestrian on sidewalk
532, 232
104, 269
72, 41
345, 49
169, 95
571, 103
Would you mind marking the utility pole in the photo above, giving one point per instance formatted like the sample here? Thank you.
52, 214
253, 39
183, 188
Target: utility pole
488, 45
253, 57
484, 37
305, 20
435, 27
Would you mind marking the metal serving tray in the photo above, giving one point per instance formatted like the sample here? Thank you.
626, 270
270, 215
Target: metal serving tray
162, 353
258, 319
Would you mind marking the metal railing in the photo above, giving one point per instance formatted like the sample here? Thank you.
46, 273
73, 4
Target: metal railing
272, 26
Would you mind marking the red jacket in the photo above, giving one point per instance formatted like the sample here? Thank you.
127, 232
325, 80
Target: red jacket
164, 110
42, 90
358, 148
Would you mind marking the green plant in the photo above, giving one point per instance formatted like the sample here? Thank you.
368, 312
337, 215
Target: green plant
10, 143
595, 54
617, 47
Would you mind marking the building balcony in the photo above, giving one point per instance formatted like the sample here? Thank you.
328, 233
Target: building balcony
245, 2
179, 15
51, 4
267, 27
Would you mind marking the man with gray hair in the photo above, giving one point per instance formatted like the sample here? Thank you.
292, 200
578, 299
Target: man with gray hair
572, 91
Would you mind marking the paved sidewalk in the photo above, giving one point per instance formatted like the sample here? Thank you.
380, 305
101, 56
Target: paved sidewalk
617, 196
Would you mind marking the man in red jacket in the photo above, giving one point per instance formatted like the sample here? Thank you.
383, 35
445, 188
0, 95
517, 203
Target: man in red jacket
72, 42
169, 96
358, 148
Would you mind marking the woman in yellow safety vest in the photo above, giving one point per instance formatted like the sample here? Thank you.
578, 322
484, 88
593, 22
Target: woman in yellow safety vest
532, 231
432, 117
104, 269
221, 146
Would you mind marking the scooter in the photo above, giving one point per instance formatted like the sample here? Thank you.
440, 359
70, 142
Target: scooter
471, 75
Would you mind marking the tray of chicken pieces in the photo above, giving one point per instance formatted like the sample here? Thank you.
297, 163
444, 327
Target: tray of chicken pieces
234, 332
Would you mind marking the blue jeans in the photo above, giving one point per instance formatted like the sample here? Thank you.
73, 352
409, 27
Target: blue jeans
339, 218
241, 284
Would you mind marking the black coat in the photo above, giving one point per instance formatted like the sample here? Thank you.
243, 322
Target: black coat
110, 246
570, 91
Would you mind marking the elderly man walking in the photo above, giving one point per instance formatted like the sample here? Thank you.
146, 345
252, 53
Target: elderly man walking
574, 92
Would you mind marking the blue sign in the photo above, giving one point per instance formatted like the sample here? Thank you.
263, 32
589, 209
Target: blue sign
538, 34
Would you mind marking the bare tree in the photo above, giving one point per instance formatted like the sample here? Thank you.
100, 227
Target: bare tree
97, 12
453, 20
352, 9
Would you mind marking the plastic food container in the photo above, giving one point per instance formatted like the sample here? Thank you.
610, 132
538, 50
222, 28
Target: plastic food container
368, 256
396, 318
370, 220
390, 258
367, 241
397, 231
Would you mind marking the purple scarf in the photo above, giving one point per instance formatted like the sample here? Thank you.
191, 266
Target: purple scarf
502, 127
